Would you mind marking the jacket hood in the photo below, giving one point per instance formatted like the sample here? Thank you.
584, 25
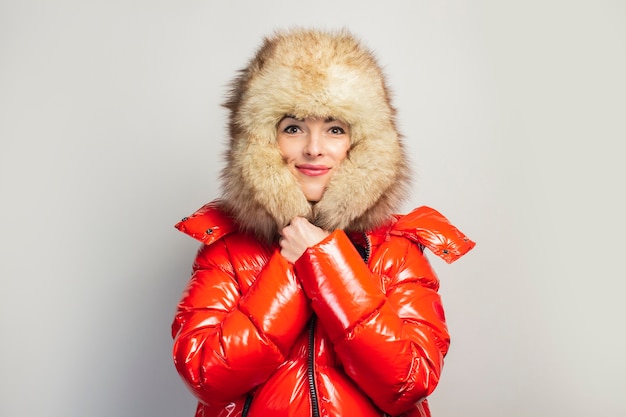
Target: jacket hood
310, 73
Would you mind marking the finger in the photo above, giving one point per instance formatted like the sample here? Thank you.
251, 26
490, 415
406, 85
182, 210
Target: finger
299, 220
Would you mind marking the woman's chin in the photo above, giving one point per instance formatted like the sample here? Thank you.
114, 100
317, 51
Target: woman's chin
313, 197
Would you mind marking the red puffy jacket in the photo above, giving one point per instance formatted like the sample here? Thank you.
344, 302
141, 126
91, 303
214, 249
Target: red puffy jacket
338, 333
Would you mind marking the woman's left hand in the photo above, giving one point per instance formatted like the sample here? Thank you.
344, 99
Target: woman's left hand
299, 235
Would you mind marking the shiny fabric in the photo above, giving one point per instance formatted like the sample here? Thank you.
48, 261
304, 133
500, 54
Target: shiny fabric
247, 320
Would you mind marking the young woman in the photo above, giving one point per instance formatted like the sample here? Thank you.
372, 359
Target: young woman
309, 296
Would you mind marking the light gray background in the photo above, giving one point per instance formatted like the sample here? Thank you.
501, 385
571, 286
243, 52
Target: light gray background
111, 130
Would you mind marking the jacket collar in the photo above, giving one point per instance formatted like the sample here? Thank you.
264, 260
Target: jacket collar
208, 224
424, 225
432, 230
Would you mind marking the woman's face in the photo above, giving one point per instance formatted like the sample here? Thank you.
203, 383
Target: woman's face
313, 149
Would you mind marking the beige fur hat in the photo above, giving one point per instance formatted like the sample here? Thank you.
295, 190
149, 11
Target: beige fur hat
310, 73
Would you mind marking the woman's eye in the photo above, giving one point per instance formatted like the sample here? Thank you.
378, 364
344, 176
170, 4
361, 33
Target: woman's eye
336, 130
291, 129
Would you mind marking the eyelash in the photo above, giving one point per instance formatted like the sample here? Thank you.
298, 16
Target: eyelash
293, 129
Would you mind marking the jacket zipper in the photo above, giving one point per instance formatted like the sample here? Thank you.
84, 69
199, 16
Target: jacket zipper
368, 249
246, 405
315, 410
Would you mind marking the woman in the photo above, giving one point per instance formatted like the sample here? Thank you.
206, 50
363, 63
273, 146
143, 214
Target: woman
309, 296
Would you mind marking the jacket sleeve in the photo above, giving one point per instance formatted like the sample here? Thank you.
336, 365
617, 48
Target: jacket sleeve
225, 343
388, 327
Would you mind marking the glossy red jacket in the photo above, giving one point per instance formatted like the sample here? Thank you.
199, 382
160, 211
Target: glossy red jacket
330, 335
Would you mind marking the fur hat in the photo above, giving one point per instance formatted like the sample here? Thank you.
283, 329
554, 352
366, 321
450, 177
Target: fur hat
311, 73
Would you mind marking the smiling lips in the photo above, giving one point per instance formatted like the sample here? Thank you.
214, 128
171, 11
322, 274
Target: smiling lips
313, 170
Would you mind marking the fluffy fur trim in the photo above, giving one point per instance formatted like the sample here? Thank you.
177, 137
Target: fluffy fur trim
310, 73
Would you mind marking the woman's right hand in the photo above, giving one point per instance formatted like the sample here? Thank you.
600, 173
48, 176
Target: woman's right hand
299, 235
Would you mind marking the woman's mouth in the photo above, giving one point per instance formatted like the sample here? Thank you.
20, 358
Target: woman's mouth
312, 170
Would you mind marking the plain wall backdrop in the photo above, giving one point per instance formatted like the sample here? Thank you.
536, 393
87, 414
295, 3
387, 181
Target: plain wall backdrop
111, 130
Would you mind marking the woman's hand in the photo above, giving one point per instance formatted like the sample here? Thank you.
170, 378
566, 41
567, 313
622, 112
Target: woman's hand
299, 235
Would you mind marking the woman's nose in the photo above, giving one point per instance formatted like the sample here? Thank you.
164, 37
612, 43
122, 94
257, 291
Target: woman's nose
313, 145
